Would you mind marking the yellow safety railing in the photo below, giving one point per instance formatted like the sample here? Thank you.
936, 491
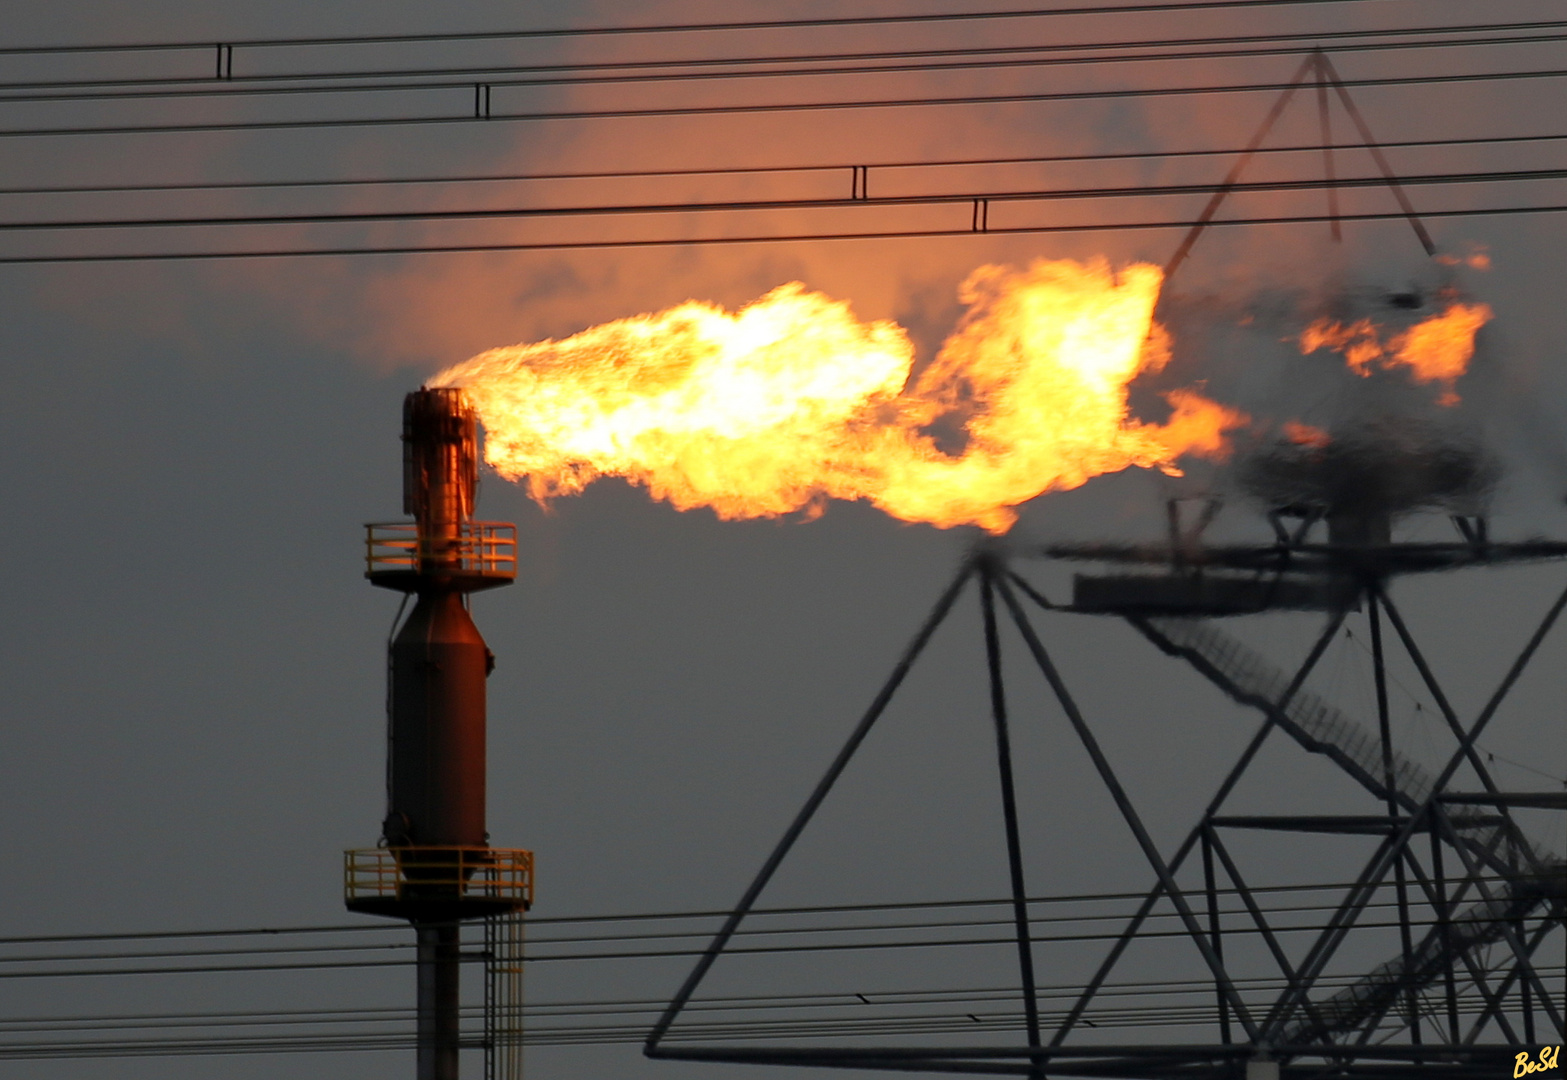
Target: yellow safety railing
446, 873
486, 548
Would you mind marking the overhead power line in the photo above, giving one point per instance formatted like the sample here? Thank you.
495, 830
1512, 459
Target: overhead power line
484, 115
776, 931
700, 934
1179, 1004
859, 1012
687, 951
648, 916
558, 1008
952, 232
1140, 191
899, 61
696, 949
752, 170
678, 28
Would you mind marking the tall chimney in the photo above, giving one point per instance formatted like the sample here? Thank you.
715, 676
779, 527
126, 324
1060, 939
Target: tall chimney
439, 662
434, 866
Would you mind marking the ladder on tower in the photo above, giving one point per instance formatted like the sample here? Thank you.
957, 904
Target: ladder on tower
503, 958
1531, 877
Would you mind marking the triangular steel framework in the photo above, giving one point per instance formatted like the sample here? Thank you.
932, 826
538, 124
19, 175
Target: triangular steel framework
1319, 69
1504, 896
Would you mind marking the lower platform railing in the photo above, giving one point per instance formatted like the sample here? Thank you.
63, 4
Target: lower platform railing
486, 877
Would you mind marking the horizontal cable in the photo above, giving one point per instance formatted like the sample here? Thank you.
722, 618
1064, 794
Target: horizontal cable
208, 969
702, 933
673, 28
1254, 987
585, 1023
536, 1034
1034, 920
359, 1043
587, 1009
1244, 930
900, 61
720, 1003
754, 205
674, 111
715, 913
778, 238
271, 950
752, 170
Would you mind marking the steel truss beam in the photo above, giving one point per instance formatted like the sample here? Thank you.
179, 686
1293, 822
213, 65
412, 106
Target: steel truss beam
1507, 895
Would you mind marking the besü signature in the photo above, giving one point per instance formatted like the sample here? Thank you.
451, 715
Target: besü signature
1549, 1056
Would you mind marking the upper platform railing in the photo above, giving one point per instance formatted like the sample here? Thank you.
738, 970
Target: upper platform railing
482, 555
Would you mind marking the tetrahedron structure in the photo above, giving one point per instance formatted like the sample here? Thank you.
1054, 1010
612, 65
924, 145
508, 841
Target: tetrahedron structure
1408, 925
1433, 947
1316, 70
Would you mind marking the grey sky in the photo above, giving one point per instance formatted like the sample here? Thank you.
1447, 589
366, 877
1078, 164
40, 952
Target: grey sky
192, 661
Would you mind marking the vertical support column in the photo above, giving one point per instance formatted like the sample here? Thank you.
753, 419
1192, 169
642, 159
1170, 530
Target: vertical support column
1128, 812
1527, 990
1390, 781
1445, 928
440, 1018
998, 711
1213, 926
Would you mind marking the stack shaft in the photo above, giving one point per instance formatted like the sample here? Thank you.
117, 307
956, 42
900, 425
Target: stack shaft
439, 666
439, 1005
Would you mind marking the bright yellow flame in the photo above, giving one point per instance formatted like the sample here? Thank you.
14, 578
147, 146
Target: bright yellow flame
791, 401
1436, 350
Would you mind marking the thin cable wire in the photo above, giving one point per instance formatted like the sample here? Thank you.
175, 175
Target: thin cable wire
752, 170
952, 232
982, 1018
583, 1022
674, 28
590, 1008
1493, 756
702, 933
1418, 703
678, 953
468, 115
1141, 191
720, 1003
901, 61
648, 916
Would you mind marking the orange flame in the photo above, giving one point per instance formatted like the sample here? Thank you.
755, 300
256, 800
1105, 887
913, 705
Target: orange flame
1305, 435
791, 401
1436, 350
1477, 259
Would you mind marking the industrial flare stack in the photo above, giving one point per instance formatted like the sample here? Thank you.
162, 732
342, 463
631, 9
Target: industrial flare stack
434, 866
